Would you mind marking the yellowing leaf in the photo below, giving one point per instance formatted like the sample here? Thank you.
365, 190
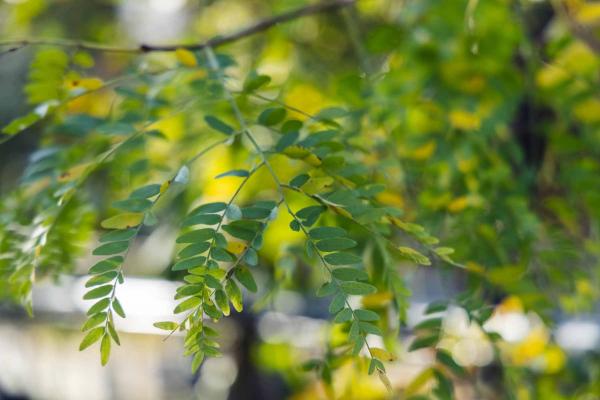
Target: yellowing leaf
588, 13
588, 110
377, 300
235, 247
186, 57
390, 198
425, 151
73, 173
123, 221
464, 120
382, 354
91, 83
458, 204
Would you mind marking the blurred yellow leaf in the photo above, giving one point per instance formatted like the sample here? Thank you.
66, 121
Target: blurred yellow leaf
458, 204
74, 172
425, 151
377, 300
588, 110
382, 354
464, 120
186, 57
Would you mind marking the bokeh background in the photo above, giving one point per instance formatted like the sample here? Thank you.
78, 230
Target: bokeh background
484, 120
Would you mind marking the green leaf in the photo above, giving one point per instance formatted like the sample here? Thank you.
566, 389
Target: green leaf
446, 359
299, 180
123, 221
254, 81
111, 248
99, 306
342, 259
241, 173
189, 263
238, 232
235, 294
19, 124
202, 219
190, 290
98, 292
327, 232
101, 279
218, 125
272, 116
113, 333
146, 191
336, 244
343, 316
251, 257
349, 274
422, 342
366, 315
187, 304
118, 308
293, 125
357, 288
200, 235
222, 302
209, 208
327, 289
413, 255
105, 265
436, 306
433, 323
105, 349
194, 249
166, 325
92, 336
133, 204
197, 361
295, 225
94, 321
338, 302
370, 328
220, 254
244, 276
286, 140
117, 236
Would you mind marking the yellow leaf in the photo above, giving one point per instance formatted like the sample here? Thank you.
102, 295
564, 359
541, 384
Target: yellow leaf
74, 172
390, 198
377, 300
588, 13
458, 204
588, 110
464, 120
382, 354
236, 247
554, 358
425, 151
186, 57
123, 221
510, 304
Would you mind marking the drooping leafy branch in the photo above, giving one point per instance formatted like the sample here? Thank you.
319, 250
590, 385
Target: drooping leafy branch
313, 170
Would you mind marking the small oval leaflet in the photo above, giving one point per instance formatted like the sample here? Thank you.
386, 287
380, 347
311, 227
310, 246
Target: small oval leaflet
241, 173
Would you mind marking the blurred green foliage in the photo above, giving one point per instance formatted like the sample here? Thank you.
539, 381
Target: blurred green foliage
457, 136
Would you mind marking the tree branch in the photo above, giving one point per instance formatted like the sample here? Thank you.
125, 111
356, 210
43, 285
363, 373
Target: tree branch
260, 26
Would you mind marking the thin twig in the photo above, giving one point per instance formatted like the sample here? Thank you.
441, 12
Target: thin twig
260, 26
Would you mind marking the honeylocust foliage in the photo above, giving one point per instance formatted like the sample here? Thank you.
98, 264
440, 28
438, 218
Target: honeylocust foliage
219, 245
426, 158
